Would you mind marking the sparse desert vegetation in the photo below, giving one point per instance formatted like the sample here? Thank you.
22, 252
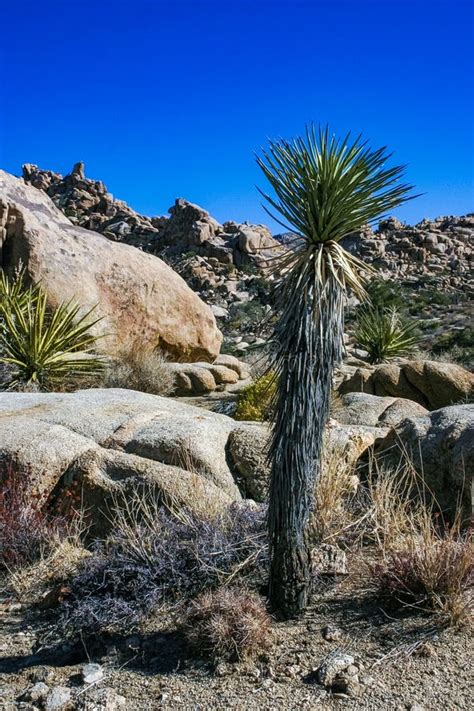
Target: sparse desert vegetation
122, 520
236, 437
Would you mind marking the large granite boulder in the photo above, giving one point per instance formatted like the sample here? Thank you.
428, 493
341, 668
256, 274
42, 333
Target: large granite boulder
102, 442
137, 295
441, 446
374, 411
432, 384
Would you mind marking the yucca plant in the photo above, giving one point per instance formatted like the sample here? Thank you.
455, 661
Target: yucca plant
384, 333
43, 347
14, 291
324, 189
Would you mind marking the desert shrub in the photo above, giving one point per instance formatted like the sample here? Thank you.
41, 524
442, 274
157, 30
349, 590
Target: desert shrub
431, 568
386, 294
246, 316
455, 347
254, 402
422, 562
156, 557
228, 624
384, 334
145, 371
27, 530
43, 348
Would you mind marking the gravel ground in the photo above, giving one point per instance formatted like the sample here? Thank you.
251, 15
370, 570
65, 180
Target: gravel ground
402, 663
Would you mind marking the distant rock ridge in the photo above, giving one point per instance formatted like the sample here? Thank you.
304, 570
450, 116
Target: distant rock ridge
443, 247
88, 204
230, 265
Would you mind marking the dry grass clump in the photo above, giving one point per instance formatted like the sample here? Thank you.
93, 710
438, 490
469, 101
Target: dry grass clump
138, 369
431, 569
333, 511
45, 581
394, 500
228, 624
423, 562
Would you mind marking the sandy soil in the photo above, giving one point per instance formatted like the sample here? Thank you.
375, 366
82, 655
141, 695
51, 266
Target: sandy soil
404, 663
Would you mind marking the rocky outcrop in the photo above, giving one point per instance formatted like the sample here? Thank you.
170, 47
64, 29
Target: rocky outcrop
190, 228
137, 296
228, 264
432, 384
89, 204
100, 443
248, 447
441, 446
443, 247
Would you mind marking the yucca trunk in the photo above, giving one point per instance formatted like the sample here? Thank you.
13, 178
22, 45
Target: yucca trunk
308, 345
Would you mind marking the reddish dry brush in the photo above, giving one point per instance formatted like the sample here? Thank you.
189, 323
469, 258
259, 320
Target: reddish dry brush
432, 568
228, 624
26, 526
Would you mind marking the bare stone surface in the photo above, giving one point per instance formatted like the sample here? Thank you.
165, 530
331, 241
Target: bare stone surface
441, 445
374, 411
101, 443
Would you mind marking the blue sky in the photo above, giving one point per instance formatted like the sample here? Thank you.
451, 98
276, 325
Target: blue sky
171, 98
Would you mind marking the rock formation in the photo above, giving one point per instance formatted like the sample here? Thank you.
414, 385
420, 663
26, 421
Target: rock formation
137, 295
430, 383
105, 442
228, 264
443, 248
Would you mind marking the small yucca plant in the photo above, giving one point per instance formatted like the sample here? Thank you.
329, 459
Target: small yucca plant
42, 347
385, 334
14, 291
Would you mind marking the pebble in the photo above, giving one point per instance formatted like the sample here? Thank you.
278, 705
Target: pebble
58, 699
37, 692
332, 666
331, 633
92, 673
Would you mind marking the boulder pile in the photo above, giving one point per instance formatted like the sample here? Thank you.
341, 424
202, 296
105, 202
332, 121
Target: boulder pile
443, 248
88, 203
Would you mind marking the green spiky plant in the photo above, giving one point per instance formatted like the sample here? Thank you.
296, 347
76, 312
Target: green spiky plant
14, 291
324, 189
43, 347
384, 334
